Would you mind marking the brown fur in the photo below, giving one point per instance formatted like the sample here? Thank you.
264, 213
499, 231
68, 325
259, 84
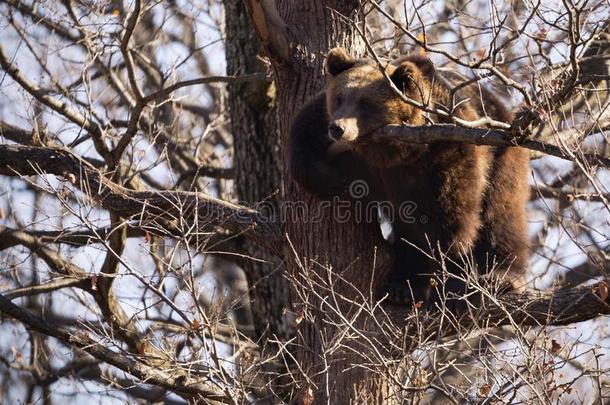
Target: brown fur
470, 199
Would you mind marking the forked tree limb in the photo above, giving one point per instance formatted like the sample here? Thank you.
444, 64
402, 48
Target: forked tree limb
271, 29
175, 207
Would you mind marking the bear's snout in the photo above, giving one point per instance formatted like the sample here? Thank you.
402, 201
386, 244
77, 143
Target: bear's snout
343, 129
335, 131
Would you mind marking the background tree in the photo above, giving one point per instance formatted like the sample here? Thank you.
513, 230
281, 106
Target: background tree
153, 248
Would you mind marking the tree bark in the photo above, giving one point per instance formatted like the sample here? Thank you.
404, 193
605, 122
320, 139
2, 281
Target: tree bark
317, 240
258, 165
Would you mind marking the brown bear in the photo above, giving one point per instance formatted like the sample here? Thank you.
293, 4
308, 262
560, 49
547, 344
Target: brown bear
470, 200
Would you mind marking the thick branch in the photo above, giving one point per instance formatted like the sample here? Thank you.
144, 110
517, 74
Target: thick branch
181, 207
406, 134
560, 307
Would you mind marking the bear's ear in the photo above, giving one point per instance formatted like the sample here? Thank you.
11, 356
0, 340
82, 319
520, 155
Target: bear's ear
338, 61
423, 63
404, 76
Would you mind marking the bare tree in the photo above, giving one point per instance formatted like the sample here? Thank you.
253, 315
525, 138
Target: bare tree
153, 247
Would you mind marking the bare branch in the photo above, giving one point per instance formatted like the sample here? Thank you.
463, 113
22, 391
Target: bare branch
55, 104
50, 286
174, 380
205, 80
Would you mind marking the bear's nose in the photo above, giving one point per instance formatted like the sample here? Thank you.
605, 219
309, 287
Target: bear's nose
335, 131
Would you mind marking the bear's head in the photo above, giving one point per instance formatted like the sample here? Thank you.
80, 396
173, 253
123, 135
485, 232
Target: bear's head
360, 100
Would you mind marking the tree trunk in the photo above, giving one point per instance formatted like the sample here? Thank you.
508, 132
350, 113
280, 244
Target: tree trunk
353, 249
258, 166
